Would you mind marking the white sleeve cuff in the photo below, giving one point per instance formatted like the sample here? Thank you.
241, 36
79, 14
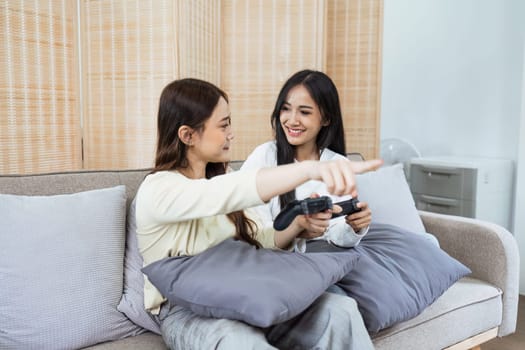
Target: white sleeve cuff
299, 245
342, 235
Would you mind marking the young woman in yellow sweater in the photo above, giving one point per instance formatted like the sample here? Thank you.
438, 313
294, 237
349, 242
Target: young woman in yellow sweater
189, 203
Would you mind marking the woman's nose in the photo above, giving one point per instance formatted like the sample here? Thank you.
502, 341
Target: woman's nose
294, 117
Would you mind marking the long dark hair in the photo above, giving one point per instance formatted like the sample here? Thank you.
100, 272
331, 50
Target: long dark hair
191, 102
324, 93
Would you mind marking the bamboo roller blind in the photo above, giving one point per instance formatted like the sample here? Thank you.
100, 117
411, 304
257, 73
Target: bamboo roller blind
130, 50
263, 43
354, 63
198, 33
128, 57
39, 124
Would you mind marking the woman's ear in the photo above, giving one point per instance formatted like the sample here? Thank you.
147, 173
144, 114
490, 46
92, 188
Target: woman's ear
325, 122
185, 135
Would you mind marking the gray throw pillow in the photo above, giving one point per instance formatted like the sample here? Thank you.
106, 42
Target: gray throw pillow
234, 280
132, 302
398, 275
61, 270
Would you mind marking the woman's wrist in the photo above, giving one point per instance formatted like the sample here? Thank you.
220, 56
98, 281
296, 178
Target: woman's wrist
311, 169
285, 237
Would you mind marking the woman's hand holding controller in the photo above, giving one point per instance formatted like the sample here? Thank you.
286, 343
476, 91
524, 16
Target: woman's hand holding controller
314, 225
360, 219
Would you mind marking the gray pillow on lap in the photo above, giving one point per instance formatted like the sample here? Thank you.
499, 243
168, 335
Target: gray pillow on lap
61, 270
235, 280
399, 274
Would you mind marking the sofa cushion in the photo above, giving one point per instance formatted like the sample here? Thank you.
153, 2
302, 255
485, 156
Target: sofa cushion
468, 307
235, 280
132, 302
388, 195
61, 258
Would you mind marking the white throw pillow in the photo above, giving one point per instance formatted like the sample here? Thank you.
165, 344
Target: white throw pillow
61, 270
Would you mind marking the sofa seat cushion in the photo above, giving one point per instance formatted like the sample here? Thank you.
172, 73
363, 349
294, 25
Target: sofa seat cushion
467, 308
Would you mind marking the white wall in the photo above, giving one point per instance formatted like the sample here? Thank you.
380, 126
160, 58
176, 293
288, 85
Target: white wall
452, 75
452, 82
519, 220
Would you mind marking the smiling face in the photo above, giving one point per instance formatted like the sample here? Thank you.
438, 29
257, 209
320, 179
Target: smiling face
301, 121
212, 144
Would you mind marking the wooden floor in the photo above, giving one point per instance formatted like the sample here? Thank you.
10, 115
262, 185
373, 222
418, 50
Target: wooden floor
514, 341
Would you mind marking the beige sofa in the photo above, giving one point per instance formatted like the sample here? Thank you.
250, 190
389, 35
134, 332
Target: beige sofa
474, 310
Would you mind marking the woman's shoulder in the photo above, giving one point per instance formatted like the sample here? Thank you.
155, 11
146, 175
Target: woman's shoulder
161, 177
267, 147
158, 183
164, 174
263, 155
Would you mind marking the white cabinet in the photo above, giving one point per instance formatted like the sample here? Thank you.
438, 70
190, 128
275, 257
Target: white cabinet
471, 187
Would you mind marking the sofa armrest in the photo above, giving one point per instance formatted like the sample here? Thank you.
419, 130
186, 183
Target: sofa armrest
489, 250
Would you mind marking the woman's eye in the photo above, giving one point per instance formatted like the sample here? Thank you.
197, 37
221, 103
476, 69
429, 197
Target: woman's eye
285, 108
306, 112
227, 123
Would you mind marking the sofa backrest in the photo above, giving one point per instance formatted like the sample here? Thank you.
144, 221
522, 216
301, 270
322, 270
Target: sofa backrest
84, 180
72, 182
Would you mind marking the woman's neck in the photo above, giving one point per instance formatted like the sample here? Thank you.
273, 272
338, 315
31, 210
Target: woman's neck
307, 152
194, 171
196, 168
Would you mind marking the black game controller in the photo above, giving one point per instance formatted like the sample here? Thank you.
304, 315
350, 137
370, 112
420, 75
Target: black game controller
348, 207
312, 206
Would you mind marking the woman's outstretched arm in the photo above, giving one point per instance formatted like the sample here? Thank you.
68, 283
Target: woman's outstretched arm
338, 175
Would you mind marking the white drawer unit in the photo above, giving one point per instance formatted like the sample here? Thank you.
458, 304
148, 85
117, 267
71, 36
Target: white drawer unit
471, 187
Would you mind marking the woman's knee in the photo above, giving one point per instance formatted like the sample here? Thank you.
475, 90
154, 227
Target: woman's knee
248, 338
341, 313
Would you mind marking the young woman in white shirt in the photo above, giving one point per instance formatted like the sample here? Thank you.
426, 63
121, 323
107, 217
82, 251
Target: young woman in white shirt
189, 203
308, 125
